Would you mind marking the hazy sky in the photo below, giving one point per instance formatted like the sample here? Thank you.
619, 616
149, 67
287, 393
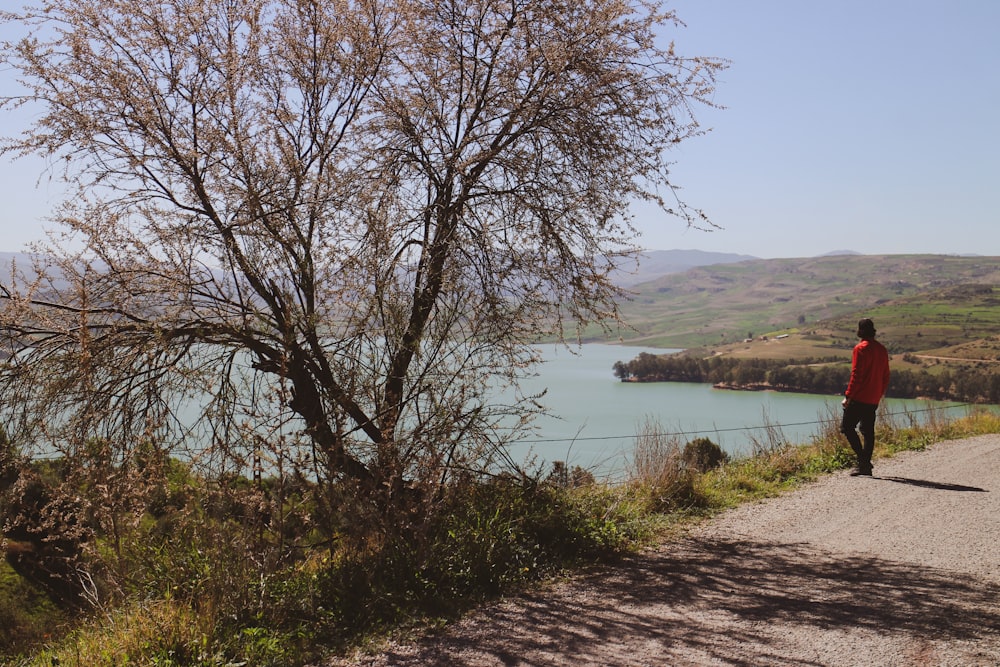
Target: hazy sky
865, 125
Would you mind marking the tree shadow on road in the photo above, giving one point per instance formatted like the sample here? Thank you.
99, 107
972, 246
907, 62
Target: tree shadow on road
728, 601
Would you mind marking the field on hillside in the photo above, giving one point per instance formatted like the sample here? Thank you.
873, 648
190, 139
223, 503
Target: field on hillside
921, 304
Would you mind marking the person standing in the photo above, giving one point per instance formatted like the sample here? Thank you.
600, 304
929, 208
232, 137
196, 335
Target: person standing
868, 383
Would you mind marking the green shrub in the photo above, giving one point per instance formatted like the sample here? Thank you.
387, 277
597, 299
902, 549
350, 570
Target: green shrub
703, 455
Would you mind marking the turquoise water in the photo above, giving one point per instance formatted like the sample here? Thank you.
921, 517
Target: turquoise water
596, 416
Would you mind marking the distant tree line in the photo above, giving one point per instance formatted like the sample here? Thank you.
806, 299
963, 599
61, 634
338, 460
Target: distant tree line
975, 384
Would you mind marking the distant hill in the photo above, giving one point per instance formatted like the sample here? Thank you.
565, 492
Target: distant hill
7, 257
22, 260
654, 264
724, 303
834, 253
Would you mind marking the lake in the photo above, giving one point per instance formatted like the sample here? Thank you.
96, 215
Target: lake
596, 416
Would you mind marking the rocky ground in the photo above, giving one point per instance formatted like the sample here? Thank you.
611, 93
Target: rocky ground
899, 569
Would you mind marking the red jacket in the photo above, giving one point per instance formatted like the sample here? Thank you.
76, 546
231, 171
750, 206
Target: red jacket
869, 373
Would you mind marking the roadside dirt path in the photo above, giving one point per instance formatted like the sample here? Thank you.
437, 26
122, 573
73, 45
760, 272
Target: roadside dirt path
899, 569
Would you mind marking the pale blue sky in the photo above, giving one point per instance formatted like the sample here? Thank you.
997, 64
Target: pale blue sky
868, 125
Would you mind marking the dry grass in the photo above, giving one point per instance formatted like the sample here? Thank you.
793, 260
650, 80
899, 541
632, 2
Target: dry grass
659, 471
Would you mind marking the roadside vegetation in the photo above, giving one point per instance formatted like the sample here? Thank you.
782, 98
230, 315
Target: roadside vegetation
191, 593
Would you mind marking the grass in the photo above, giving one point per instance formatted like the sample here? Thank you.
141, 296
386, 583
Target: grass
494, 538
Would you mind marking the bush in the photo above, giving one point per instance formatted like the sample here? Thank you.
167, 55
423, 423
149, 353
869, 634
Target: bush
507, 531
702, 455
485, 537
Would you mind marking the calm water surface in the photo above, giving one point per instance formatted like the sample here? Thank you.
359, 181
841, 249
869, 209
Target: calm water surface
596, 416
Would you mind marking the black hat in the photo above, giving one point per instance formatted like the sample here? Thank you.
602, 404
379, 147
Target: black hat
866, 328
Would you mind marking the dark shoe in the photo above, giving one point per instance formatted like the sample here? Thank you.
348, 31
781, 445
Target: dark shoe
859, 472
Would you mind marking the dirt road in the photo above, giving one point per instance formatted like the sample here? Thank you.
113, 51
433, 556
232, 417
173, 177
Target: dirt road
899, 569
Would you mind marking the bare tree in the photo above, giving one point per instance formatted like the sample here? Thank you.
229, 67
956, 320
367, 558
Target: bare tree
312, 236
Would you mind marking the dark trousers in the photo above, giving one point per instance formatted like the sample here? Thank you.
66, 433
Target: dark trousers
860, 416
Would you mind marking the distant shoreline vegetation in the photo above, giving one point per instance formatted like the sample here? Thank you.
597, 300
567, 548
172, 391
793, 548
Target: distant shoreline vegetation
807, 376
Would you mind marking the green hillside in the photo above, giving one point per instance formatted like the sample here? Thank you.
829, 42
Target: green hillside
920, 303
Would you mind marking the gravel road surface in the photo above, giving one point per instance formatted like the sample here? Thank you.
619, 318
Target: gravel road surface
899, 569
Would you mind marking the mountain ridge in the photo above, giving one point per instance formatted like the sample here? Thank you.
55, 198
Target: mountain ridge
697, 299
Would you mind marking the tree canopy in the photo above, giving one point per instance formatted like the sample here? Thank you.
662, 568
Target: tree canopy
311, 236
